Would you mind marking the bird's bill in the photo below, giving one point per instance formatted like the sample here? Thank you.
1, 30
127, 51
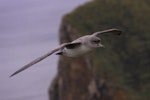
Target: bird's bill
101, 45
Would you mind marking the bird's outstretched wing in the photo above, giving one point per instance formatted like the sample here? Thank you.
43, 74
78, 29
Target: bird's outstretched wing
41, 58
111, 31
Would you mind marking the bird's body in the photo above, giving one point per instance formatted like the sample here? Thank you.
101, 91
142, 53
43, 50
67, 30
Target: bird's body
76, 52
76, 48
82, 48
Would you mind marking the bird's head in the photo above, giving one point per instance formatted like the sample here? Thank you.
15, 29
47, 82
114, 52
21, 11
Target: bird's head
95, 42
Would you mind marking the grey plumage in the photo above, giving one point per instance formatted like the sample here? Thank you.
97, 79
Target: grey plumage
75, 48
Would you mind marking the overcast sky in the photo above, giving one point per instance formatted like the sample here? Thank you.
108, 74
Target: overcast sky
28, 29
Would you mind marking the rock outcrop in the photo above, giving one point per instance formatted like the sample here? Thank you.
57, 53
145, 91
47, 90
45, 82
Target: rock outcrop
122, 68
75, 79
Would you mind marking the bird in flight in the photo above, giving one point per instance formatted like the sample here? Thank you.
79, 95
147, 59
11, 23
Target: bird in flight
76, 48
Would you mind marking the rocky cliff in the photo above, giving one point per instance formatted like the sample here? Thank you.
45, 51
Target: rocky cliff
75, 79
118, 72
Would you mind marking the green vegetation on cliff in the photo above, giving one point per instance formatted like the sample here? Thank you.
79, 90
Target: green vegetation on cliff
125, 61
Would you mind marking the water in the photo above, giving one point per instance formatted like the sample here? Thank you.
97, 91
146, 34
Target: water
28, 29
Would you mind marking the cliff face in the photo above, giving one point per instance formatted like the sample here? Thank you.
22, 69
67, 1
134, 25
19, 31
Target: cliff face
75, 79
122, 68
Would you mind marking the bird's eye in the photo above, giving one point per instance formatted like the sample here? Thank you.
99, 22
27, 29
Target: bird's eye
96, 41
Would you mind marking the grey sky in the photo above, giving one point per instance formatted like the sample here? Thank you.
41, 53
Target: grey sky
28, 29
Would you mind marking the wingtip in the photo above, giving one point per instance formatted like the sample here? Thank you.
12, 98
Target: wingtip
118, 31
12, 75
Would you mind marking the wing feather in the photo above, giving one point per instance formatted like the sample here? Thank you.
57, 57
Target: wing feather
111, 31
38, 59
